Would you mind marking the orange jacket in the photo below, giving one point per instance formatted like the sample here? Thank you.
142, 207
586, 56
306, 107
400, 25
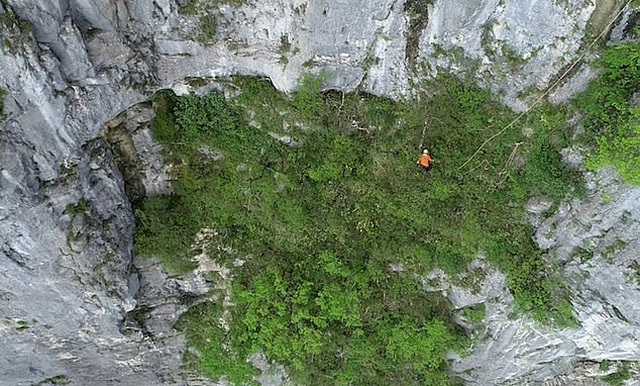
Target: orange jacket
425, 160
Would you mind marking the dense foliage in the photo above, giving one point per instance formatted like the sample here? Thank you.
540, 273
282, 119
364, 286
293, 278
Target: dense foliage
613, 114
320, 222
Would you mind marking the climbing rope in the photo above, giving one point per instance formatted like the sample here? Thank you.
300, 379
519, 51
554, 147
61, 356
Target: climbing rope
575, 63
504, 173
424, 129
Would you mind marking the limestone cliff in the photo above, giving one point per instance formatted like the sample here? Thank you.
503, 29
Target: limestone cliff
77, 307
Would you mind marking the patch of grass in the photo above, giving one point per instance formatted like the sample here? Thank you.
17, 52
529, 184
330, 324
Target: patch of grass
284, 49
56, 380
233, 3
207, 32
529, 91
634, 266
22, 325
191, 9
196, 81
217, 355
206, 11
18, 31
475, 315
81, 207
619, 377
487, 38
514, 60
472, 280
614, 248
285, 44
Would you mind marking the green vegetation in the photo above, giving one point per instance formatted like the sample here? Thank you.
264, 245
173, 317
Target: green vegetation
320, 224
18, 31
207, 11
191, 9
81, 207
22, 325
285, 44
284, 49
474, 315
634, 274
614, 248
197, 82
619, 377
207, 26
57, 380
612, 118
472, 279
418, 20
207, 31
514, 60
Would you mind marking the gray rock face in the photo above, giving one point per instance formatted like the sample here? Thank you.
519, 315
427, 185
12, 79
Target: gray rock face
597, 240
138, 157
74, 304
66, 226
524, 42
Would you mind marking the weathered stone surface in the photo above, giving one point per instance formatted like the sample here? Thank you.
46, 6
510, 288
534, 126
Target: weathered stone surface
66, 226
597, 241
574, 85
385, 46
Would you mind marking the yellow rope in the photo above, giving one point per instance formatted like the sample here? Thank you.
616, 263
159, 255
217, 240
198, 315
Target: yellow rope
550, 87
504, 173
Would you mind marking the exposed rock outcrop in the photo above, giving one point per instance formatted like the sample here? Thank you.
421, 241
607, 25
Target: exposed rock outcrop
596, 241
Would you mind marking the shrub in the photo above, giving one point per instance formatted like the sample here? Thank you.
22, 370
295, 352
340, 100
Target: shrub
612, 122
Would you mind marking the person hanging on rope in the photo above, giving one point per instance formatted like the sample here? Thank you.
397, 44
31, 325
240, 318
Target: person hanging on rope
425, 160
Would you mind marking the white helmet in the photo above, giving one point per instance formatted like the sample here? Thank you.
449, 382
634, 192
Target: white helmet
425, 151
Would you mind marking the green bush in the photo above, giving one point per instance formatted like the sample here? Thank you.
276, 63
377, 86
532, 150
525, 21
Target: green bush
198, 116
613, 124
216, 356
308, 101
621, 149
